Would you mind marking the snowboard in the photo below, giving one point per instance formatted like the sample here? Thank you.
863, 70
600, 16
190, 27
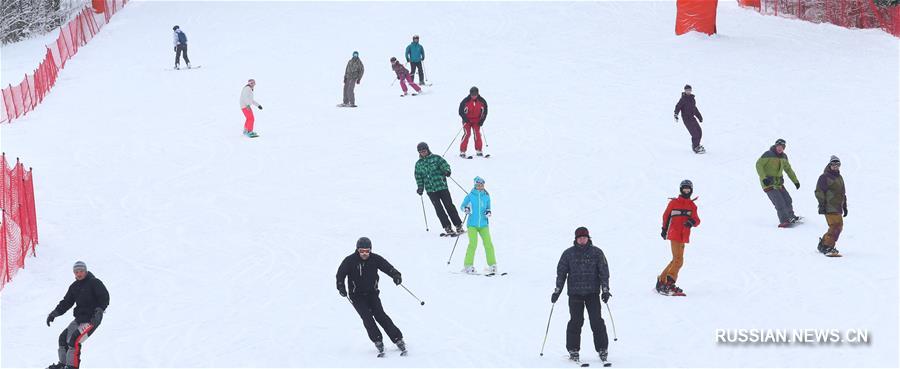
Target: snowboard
186, 68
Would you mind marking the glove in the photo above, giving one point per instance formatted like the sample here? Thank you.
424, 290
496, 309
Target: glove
606, 295
797, 184
358, 81
419, 191
845, 210
700, 119
398, 279
447, 173
51, 316
487, 214
768, 181
690, 223
676, 117
481, 123
467, 210
342, 292
98, 317
821, 208
663, 233
259, 107
555, 295
175, 49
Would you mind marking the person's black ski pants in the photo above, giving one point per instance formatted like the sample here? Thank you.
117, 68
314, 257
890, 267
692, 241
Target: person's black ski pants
577, 304
182, 48
369, 308
441, 199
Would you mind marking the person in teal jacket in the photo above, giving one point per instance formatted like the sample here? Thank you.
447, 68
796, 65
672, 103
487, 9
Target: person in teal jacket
478, 205
415, 54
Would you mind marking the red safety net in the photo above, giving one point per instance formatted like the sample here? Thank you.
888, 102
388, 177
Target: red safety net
19, 228
696, 15
23, 98
844, 13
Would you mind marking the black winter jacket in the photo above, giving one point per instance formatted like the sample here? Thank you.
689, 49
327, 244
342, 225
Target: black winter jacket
687, 105
585, 268
87, 295
363, 274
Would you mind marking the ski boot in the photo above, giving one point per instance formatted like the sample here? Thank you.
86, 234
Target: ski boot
492, 269
189, 65
469, 270
604, 354
699, 149
821, 247
401, 345
672, 288
250, 134
460, 229
351, 106
448, 232
380, 346
832, 252
573, 355
463, 155
661, 288
176, 67
479, 153
795, 219
57, 366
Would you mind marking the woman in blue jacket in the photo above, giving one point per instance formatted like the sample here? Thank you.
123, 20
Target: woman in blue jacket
478, 205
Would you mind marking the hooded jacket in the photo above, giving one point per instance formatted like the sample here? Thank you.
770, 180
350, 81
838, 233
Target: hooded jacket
830, 191
584, 268
479, 201
772, 164
354, 70
687, 106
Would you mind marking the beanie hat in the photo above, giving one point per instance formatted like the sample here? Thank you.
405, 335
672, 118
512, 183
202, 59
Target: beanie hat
473, 90
835, 160
175, 28
422, 146
79, 265
582, 232
393, 59
781, 142
363, 243
479, 180
356, 53
687, 87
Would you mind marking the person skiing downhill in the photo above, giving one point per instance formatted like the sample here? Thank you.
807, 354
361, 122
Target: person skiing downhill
246, 102
91, 299
677, 220
179, 39
832, 198
769, 167
473, 110
404, 77
360, 269
415, 55
478, 205
585, 269
352, 77
687, 106
431, 176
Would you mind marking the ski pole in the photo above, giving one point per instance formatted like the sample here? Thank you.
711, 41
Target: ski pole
451, 142
456, 242
460, 187
615, 337
348, 299
547, 332
413, 295
422, 70
484, 138
423, 213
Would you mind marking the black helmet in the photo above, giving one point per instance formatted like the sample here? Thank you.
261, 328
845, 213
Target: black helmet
422, 146
364, 243
175, 28
473, 90
781, 142
686, 183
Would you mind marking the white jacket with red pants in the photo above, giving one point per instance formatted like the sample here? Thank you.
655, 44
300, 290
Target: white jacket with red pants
246, 102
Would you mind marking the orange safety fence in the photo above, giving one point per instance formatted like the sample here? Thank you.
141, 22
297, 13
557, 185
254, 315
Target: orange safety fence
845, 13
19, 228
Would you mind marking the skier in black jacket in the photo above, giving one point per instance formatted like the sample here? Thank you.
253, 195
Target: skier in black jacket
361, 269
584, 266
687, 106
90, 298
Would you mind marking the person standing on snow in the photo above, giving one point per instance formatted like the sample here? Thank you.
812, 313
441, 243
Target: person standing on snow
687, 106
678, 219
246, 102
352, 77
769, 167
361, 270
415, 54
478, 205
179, 39
431, 176
473, 110
90, 298
832, 198
585, 269
404, 77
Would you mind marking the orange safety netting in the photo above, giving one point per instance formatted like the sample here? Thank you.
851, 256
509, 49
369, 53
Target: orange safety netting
19, 228
696, 15
844, 13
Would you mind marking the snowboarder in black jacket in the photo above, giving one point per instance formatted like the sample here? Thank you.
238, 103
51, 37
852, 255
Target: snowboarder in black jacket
687, 106
90, 298
361, 270
584, 266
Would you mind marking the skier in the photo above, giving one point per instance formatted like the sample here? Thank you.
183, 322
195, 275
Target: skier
246, 101
678, 219
352, 77
585, 268
830, 193
361, 268
769, 167
473, 109
478, 205
687, 105
415, 54
179, 39
90, 298
403, 76
431, 172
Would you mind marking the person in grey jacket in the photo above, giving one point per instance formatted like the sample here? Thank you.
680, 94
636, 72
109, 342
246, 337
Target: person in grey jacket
584, 267
352, 77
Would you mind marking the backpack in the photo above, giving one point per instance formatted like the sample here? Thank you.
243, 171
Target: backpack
182, 38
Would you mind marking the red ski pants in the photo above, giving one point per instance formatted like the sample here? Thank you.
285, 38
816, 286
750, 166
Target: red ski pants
248, 123
464, 143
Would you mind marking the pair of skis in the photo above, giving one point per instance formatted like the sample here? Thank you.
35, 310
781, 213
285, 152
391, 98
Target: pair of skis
485, 156
606, 364
381, 354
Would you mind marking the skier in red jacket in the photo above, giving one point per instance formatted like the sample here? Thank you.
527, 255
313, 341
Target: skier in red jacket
678, 219
473, 110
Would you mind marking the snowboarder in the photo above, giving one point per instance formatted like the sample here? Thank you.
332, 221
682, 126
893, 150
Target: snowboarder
769, 167
415, 54
473, 109
90, 298
352, 77
478, 205
832, 197
179, 39
687, 106
403, 76
585, 268
247, 101
678, 219
361, 268
431, 172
